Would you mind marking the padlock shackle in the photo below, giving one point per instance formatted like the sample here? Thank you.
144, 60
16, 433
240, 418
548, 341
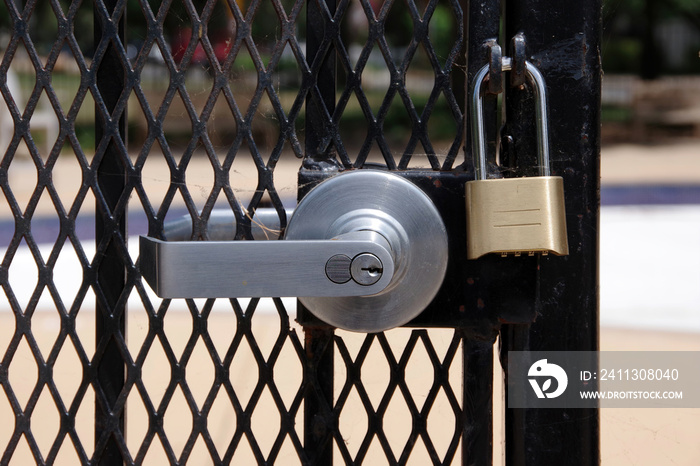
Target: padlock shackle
477, 117
541, 119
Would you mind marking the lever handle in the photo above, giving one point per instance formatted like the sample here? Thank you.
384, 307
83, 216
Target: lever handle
222, 269
364, 250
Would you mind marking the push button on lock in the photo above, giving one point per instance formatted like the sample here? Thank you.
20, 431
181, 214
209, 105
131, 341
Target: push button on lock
514, 215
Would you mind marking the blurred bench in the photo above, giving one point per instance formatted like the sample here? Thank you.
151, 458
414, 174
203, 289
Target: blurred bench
669, 106
43, 118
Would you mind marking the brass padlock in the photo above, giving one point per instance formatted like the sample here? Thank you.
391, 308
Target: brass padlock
514, 215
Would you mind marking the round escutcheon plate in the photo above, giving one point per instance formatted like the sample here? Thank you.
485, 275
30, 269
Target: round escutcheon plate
400, 211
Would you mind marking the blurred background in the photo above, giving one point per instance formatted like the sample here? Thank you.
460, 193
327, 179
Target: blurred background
650, 216
650, 173
650, 58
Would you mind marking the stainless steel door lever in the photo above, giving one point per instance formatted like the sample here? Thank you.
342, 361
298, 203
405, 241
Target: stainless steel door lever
365, 250
224, 269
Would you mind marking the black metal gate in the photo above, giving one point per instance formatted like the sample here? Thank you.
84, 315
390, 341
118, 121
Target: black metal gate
124, 115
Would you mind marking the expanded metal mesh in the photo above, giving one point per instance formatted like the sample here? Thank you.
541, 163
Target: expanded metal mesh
110, 134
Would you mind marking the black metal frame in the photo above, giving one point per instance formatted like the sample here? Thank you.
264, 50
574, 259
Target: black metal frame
476, 299
563, 40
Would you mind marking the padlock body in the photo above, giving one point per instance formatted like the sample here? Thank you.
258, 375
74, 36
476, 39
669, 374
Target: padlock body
516, 216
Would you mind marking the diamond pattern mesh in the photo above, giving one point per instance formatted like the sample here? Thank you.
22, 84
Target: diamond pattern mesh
203, 106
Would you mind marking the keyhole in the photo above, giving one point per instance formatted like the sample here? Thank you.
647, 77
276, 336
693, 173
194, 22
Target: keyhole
366, 269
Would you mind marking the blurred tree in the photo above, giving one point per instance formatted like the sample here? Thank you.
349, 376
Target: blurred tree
651, 64
631, 35
631, 28
43, 25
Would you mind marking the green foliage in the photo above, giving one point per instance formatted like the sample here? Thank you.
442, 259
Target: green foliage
443, 30
86, 135
632, 43
615, 114
621, 55
398, 28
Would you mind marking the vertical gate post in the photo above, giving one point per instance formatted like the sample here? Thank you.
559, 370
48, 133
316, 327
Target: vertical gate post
111, 274
563, 41
477, 434
316, 128
481, 24
318, 400
318, 341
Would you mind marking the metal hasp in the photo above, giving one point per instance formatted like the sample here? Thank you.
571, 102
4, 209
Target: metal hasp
365, 251
514, 215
